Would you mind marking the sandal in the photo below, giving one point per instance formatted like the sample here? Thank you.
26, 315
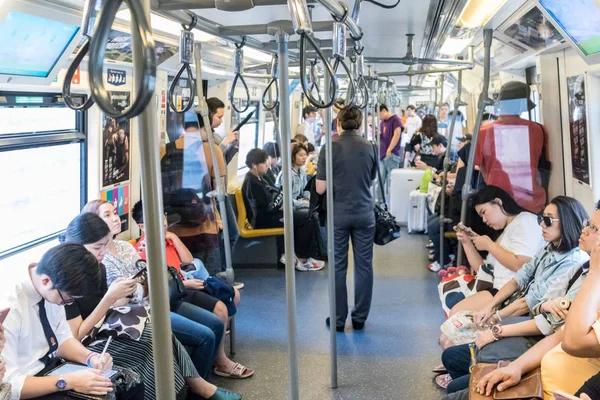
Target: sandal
440, 369
237, 372
443, 381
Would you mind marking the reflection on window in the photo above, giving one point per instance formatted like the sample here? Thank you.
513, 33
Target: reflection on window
36, 119
41, 192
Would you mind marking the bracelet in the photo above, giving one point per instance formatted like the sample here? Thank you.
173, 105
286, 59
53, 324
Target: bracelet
88, 360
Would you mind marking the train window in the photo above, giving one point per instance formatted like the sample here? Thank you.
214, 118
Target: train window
249, 134
42, 146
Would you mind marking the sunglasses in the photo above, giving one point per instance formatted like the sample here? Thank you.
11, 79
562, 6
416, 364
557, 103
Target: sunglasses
546, 220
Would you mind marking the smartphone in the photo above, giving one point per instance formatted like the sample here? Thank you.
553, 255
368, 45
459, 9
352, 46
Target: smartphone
68, 368
140, 273
461, 227
3, 314
560, 395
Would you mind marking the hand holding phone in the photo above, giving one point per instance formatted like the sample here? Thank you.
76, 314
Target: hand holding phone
466, 230
560, 395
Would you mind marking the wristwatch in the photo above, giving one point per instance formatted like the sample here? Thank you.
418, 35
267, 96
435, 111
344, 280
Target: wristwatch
61, 384
497, 332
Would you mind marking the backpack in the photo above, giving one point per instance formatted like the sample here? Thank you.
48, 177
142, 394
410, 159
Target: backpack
186, 182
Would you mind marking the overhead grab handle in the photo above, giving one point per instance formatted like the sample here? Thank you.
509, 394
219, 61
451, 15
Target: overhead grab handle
339, 53
238, 69
141, 37
274, 81
90, 13
186, 57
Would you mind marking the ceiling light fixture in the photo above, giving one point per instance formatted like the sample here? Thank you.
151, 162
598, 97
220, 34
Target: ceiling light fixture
168, 26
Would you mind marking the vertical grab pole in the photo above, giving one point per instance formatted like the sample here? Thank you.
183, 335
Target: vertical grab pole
484, 101
330, 241
457, 103
288, 215
202, 109
155, 237
366, 121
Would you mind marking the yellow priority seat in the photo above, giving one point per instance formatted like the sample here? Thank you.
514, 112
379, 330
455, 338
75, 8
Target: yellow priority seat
246, 230
450, 235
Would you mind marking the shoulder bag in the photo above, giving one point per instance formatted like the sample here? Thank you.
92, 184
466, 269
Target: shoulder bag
386, 227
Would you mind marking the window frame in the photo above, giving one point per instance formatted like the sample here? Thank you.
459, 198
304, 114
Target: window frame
32, 140
257, 105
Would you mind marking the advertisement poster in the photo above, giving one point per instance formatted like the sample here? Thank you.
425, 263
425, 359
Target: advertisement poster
115, 143
534, 30
578, 129
119, 197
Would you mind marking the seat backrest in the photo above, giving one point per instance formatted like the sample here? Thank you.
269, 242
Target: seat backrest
242, 216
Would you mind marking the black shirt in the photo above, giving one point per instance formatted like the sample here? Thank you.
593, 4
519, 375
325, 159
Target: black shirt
461, 175
354, 168
258, 196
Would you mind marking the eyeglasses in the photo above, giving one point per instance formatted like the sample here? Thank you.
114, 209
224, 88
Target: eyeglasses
65, 302
588, 224
546, 220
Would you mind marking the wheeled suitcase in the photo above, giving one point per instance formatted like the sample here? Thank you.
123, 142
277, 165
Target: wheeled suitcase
417, 213
402, 182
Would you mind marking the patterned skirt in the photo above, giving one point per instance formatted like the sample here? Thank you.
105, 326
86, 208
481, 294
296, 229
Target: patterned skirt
136, 355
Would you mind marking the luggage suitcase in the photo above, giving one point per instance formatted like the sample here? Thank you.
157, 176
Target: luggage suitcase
402, 182
417, 213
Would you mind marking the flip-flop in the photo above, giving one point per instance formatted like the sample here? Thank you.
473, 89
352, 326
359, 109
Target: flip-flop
237, 372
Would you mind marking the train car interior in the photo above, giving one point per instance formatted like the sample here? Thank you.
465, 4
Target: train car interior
316, 199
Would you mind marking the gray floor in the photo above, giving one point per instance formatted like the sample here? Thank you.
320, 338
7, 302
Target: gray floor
391, 359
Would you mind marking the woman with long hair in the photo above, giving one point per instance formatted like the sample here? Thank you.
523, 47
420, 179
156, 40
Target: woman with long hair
131, 346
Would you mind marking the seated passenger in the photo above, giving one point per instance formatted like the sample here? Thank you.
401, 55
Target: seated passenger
549, 318
520, 240
300, 197
311, 168
419, 144
36, 331
95, 317
192, 319
512, 151
438, 145
178, 255
273, 161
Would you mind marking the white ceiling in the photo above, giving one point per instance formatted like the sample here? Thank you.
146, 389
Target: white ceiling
384, 30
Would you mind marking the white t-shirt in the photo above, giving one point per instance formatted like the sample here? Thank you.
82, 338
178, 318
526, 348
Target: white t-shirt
412, 125
523, 237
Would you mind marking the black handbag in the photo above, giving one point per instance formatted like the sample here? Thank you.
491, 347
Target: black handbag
176, 287
386, 227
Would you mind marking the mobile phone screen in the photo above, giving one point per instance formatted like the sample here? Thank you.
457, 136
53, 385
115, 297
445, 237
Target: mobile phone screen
140, 272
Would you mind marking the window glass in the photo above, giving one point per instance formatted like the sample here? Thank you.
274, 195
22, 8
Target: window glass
36, 119
42, 189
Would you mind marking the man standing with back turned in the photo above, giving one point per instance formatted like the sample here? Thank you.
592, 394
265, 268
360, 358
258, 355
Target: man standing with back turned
354, 169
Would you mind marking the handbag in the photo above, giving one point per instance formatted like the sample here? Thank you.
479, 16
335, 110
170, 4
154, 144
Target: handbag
485, 278
529, 388
4, 391
176, 287
386, 227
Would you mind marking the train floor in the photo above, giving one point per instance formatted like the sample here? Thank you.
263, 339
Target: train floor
391, 359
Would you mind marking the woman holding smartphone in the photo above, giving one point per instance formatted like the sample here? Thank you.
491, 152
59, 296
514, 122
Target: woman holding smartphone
131, 347
519, 242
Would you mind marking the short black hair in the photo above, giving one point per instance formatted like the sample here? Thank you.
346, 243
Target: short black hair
255, 156
489, 193
297, 148
411, 107
439, 139
571, 215
73, 270
86, 228
383, 107
272, 149
307, 110
137, 213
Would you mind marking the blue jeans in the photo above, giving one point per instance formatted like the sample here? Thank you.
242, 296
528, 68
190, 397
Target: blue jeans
234, 234
457, 360
385, 167
200, 330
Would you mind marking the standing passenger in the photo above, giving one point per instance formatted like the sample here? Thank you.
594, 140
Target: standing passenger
354, 169
308, 128
389, 143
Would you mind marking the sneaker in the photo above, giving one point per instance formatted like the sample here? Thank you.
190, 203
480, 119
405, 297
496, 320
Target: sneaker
282, 259
430, 245
313, 265
238, 285
300, 266
443, 381
434, 267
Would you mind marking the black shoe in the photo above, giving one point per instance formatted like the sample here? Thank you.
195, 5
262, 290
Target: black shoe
337, 328
358, 326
